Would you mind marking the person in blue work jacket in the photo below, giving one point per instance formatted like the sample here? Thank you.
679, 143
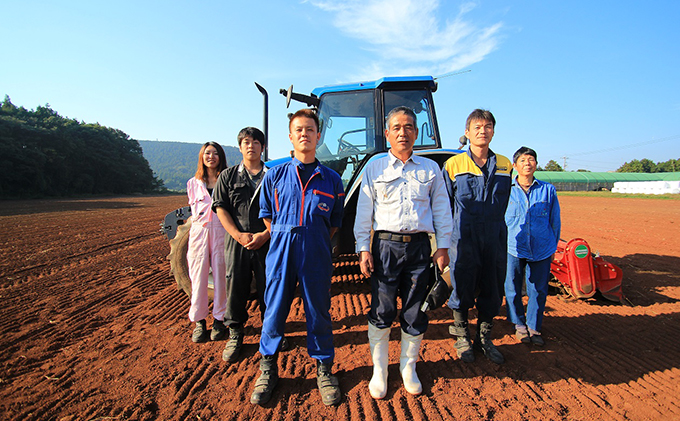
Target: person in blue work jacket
301, 202
533, 220
478, 182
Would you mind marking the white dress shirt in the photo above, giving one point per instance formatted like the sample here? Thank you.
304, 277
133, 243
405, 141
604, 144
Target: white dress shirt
404, 198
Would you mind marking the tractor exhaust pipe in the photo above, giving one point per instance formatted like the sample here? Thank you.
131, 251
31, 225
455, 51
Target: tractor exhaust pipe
265, 123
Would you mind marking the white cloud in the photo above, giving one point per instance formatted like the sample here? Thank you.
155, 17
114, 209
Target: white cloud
412, 36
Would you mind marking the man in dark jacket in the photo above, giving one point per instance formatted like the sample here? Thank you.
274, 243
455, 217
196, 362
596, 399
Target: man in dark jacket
246, 246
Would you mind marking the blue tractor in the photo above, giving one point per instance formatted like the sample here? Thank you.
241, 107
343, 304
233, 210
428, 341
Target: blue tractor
352, 129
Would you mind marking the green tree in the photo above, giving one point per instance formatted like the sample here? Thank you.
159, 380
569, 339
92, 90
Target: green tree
552, 166
640, 166
45, 154
672, 165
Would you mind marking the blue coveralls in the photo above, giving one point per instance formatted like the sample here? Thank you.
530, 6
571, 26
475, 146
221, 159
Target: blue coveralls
478, 251
300, 252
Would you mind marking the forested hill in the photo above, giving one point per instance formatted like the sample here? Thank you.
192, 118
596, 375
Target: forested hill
175, 162
45, 154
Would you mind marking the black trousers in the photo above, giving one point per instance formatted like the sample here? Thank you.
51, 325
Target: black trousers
242, 266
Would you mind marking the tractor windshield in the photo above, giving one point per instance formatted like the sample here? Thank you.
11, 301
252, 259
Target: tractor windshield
348, 131
419, 102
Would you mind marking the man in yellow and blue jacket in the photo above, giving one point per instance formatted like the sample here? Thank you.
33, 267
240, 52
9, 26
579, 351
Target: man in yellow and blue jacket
478, 183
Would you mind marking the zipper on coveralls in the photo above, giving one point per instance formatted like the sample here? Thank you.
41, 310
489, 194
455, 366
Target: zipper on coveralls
302, 205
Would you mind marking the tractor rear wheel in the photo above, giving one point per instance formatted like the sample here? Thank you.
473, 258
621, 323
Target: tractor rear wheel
179, 267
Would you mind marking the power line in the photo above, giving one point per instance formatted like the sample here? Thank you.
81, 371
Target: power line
632, 145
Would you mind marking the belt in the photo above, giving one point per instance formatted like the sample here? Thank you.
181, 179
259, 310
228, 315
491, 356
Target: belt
402, 238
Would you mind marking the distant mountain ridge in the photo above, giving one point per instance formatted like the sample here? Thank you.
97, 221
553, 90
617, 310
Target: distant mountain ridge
175, 162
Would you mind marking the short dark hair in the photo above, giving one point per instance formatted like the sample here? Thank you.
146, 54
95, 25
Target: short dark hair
480, 114
401, 109
253, 132
523, 151
306, 113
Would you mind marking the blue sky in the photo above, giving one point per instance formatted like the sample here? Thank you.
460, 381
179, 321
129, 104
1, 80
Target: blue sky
593, 81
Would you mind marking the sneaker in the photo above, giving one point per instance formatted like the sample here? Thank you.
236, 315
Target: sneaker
537, 340
219, 331
200, 333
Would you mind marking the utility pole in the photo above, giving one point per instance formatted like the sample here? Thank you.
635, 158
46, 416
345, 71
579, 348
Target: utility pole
564, 160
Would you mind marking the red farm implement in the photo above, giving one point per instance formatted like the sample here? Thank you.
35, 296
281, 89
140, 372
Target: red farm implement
579, 273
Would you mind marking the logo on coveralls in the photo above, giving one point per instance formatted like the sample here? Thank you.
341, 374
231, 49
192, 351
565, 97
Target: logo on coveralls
324, 207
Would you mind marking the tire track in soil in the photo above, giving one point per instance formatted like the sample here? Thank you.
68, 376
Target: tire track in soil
613, 373
140, 340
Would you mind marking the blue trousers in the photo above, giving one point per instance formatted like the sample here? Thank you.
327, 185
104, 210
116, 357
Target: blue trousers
401, 270
537, 275
299, 255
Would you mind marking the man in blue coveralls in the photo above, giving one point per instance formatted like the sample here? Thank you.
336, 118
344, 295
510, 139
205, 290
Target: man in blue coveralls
478, 183
301, 203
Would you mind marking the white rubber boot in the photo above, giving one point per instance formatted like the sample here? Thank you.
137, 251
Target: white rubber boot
410, 347
378, 340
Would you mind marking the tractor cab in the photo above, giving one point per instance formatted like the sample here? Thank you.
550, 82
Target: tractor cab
352, 119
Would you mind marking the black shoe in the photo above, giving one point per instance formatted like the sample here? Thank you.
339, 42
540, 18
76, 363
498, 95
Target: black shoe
285, 345
463, 345
232, 349
537, 340
328, 384
265, 384
200, 333
219, 331
483, 343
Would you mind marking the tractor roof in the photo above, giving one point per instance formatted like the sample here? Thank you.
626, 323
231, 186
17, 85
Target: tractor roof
403, 82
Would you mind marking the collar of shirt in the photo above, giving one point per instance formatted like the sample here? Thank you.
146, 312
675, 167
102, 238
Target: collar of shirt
302, 165
242, 169
488, 156
393, 160
516, 183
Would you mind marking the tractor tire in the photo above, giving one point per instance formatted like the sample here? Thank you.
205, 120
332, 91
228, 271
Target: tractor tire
179, 266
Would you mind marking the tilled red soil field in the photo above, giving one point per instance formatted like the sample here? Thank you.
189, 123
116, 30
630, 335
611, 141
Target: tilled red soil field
93, 327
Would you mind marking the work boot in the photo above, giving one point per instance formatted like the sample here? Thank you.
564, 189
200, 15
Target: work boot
264, 386
463, 344
328, 384
483, 343
410, 347
219, 330
378, 340
200, 333
285, 345
232, 349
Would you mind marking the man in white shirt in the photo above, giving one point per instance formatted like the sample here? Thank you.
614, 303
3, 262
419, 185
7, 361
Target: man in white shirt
402, 198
